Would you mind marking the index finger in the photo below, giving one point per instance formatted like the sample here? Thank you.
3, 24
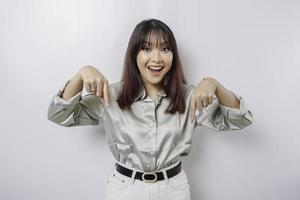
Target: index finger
106, 93
193, 109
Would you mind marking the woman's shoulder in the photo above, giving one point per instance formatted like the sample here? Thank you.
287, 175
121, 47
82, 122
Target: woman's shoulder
188, 87
114, 88
116, 84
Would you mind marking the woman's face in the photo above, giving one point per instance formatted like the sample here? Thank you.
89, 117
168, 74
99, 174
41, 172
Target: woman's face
154, 60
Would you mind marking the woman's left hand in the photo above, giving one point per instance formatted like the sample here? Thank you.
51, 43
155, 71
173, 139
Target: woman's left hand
202, 95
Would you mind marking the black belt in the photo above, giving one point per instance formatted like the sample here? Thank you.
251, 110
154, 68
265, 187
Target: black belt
149, 177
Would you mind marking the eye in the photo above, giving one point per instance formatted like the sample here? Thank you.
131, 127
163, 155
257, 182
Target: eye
165, 49
146, 49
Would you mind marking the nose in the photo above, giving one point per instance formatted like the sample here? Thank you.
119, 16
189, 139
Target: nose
156, 56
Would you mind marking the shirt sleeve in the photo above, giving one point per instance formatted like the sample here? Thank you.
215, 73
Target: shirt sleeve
219, 117
80, 110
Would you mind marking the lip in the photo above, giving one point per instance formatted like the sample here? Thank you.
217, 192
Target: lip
155, 66
155, 73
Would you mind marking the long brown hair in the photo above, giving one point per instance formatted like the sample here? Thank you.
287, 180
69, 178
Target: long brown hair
172, 82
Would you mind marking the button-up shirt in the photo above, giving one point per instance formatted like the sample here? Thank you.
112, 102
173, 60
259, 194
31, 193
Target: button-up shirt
145, 137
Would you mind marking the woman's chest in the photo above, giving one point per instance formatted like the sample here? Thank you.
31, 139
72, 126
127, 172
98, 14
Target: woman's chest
146, 123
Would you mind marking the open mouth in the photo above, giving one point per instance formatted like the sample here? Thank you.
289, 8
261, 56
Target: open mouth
154, 69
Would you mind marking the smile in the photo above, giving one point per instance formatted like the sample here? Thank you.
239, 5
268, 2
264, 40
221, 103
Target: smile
154, 68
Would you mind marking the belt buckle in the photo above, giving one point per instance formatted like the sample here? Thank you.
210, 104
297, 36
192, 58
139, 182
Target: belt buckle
149, 180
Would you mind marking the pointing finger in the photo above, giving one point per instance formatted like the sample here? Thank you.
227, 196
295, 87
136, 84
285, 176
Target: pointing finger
106, 93
199, 104
204, 102
99, 89
193, 109
210, 99
93, 87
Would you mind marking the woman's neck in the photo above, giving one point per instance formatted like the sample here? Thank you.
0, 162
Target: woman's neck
152, 90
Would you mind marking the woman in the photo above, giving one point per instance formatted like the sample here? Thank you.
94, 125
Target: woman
149, 116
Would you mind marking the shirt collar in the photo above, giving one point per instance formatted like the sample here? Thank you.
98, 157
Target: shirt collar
144, 97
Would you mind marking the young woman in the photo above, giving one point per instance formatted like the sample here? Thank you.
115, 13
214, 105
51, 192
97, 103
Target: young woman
149, 116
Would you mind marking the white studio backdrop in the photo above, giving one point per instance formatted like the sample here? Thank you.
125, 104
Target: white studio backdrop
252, 47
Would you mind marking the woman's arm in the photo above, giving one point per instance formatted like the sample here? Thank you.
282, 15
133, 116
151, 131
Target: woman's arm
225, 97
69, 108
74, 86
224, 111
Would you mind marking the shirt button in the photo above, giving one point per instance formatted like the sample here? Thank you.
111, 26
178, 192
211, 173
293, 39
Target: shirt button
148, 161
152, 153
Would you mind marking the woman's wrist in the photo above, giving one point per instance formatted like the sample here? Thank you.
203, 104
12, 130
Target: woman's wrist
214, 81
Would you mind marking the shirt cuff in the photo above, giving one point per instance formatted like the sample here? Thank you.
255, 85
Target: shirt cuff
235, 113
58, 100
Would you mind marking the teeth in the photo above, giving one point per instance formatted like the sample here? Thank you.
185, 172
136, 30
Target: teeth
155, 68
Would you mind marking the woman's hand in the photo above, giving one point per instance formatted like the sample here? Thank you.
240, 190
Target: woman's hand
202, 95
94, 82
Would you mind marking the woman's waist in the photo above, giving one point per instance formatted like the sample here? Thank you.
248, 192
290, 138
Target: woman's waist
140, 168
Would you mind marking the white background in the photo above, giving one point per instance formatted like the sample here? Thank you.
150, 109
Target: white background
252, 47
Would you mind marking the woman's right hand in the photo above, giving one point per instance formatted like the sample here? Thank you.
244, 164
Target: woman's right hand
94, 82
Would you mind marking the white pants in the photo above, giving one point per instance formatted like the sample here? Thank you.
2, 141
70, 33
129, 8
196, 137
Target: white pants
121, 187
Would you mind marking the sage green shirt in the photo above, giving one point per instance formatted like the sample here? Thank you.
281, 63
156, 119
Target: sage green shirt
145, 137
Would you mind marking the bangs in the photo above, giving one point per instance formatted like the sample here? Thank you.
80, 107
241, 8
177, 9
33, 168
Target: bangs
155, 37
